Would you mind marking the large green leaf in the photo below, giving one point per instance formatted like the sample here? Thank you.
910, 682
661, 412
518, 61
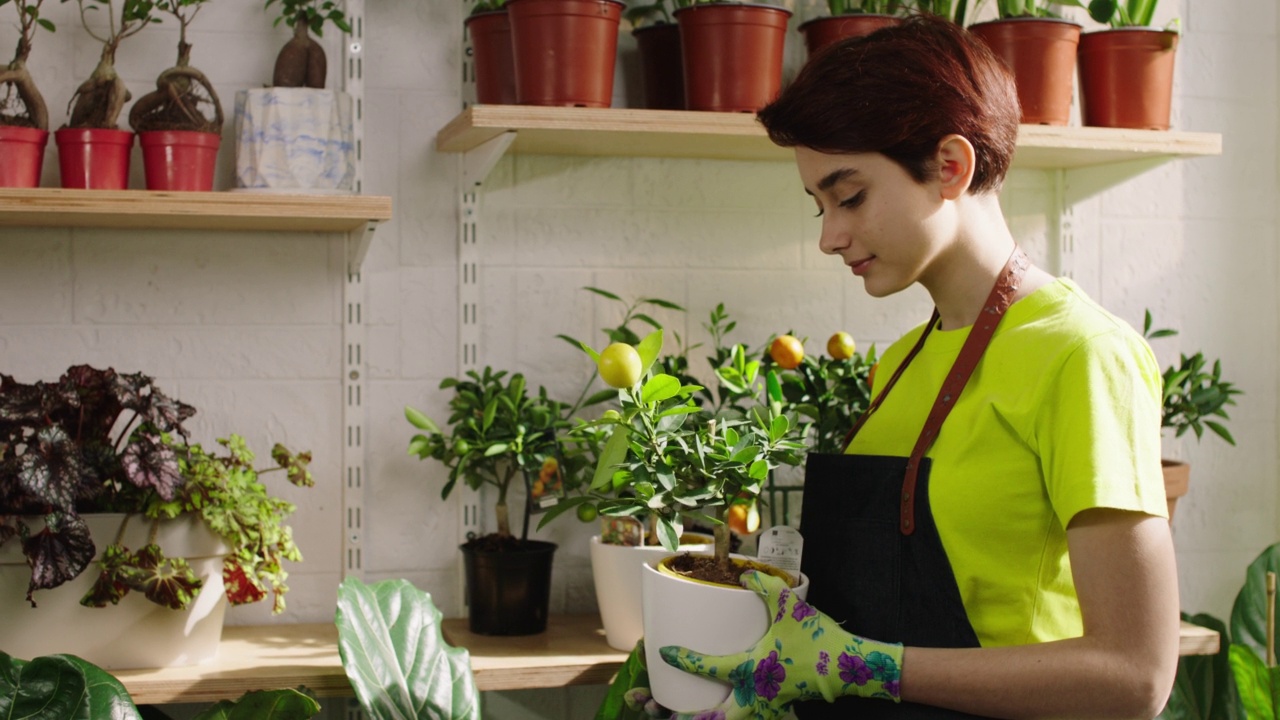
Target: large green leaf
396, 658
108, 698
614, 452
47, 688
1259, 685
1202, 688
286, 704
1249, 614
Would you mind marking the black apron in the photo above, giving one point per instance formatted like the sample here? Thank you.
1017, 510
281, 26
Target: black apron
872, 552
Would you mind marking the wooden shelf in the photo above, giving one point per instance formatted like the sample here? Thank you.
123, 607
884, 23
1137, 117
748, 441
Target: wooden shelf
573, 651
737, 136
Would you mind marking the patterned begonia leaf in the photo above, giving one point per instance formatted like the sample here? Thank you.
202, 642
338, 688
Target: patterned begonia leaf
110, 586
51, 468
58, 553
148, 463
165, 581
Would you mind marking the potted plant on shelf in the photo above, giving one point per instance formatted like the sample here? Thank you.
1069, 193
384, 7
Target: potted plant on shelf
1193, 396
1040, 49
179, 140
96, 468
24, 125
850, 18
297, 136
565, 51
732, 54
489, 28
93, 152
667, 456
497, 433
1126, 71
661, 65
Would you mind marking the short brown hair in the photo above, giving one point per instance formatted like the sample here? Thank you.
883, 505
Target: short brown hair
898, 92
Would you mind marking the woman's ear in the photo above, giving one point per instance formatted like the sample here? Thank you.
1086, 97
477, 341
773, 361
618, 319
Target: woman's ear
955, 166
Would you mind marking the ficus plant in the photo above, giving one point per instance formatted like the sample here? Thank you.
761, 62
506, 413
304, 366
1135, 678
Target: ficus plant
302, 62
182, 92
1194, 393
98, 441
21, 104
98, 101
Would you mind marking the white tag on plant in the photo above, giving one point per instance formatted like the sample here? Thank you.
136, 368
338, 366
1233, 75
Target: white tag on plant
781, 547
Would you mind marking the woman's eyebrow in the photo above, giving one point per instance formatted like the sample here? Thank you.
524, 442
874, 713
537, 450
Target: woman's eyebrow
836, 176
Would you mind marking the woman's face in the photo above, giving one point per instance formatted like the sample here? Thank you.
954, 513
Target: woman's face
887, 227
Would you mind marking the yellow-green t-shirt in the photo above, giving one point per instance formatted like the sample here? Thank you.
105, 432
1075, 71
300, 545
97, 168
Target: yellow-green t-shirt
1062, 415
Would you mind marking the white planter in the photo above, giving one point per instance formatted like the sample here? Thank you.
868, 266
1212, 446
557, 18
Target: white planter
299, 140
710, 619
616, 570
136, 633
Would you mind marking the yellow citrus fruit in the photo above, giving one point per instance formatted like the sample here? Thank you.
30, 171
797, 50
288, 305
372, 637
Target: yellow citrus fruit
841, 346
787, 351
620, 365
744, 517
587, 512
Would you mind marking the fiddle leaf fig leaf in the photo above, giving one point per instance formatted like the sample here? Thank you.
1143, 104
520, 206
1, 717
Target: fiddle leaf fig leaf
286, 704
46, 687
107, 697
396, 658
57, 553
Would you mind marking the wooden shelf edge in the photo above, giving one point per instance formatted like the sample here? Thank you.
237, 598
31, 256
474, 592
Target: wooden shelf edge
234, 211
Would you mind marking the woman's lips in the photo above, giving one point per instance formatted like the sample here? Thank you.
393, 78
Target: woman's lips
859, 267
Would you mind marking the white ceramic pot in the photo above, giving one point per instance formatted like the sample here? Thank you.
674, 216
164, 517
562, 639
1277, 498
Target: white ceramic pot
709, 619
299, 140
616, 570
136, 633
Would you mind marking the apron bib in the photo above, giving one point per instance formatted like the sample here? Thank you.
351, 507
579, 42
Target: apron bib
873, 555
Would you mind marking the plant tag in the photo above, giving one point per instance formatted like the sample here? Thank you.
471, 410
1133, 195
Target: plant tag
547, 490
781, 547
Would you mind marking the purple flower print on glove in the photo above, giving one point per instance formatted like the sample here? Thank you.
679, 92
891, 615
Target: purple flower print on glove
823, 661
853, 669
782, 605
769, 676
802, 610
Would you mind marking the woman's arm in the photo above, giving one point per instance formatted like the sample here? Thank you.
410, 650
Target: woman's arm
1123, 667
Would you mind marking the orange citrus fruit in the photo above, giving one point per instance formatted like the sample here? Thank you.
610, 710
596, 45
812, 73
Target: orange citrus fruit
620, 365
743, 517
840, 346
786, 351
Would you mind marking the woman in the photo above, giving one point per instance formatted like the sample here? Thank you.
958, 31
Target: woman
994, 542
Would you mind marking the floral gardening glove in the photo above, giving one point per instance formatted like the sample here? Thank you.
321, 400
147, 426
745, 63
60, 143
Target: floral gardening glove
805, 655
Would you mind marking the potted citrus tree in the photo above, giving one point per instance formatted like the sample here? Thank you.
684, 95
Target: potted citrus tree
1126, 70
93, 152
1040, 49
297, 136
179, 124
850, 18
498, 432
103, 501
1195, 400
24, 132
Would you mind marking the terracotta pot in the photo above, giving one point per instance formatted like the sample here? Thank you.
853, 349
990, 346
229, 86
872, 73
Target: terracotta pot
94, 159
179, 159
661, 69
509, 592
565, 51
1177, 480
491, 52
732, 55
21, 156
1126, 77
1041, 53
821, 32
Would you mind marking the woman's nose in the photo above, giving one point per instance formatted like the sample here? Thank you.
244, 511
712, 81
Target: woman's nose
833, 239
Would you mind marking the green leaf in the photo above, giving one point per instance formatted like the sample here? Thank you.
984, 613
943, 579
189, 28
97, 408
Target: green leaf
745, 455
614, 452
668, 535
759, 470
496, 449
1249, 614
779, 428
603, 293
490, 412
1202, 687
47, 688
1257, 683
561, 507
108, 698
659, 387
648, 349
396, 658
287, 704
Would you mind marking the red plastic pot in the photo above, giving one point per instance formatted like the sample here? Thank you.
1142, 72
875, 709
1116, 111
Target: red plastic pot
179, 159
821, 32
1041, 53
565, 51
491, 47
1126, 77
21, 156
732, 55
94, 159
661, 68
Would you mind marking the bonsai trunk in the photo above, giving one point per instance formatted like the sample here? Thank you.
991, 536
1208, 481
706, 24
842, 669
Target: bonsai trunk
98, 101
175, 103
504, 521
36, 114
301, 62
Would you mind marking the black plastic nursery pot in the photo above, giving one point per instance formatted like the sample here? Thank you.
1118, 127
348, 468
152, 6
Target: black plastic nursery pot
508, 591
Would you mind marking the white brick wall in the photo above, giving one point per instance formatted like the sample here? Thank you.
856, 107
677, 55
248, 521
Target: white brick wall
247, 326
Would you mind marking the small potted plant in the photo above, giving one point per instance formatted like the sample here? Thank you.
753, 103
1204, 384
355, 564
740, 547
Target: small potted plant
93, 152
565, 51
179, 137
1126, 71
1194, 395
1040, 49
850, 18
24, 127
297, 136
96, 474
489, 28
661, 66
498, 432
732, 54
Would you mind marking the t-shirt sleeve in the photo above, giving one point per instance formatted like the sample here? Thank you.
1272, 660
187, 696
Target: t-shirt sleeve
1098, 428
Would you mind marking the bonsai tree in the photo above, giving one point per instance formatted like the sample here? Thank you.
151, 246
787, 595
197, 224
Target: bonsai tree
182, 90
497, 431
1193, 394
27, 109
98, 101
301, 62
100, 441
